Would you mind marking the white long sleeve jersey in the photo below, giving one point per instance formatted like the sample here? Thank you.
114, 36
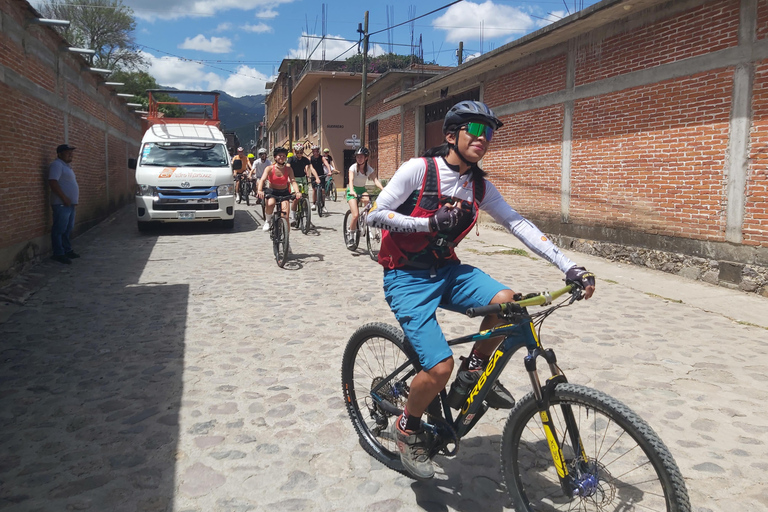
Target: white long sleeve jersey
410, 177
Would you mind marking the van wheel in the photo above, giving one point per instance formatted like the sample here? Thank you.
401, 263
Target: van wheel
228, 224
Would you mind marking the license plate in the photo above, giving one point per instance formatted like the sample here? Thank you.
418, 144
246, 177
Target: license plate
186, 215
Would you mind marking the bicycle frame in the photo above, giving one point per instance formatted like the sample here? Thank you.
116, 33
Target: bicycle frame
520, 333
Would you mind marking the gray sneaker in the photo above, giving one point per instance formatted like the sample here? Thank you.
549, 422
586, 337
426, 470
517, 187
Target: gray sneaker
413, 452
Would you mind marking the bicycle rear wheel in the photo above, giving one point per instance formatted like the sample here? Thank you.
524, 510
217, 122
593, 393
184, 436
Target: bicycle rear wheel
627, 467
306, 215
320, 201
373, 239
373, 352
351, 241
280, 241
332, 193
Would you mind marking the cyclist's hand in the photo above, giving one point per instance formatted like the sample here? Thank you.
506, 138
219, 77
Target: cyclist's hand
445, 219
582, 278
260, 194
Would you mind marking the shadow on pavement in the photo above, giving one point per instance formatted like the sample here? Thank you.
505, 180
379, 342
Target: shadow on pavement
91, 422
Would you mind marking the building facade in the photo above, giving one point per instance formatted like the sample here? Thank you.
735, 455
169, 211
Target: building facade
306, 105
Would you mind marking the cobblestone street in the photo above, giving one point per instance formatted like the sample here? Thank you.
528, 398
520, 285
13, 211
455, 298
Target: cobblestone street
184, 371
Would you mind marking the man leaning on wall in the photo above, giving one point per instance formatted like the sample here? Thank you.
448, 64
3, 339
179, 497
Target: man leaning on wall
64, 197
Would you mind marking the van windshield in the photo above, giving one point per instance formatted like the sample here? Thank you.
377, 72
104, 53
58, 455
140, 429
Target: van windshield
184, 154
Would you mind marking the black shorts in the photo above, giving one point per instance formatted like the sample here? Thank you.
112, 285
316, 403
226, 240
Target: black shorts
279, 193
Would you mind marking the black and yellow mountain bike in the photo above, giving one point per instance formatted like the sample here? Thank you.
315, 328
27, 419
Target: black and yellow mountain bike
564, 446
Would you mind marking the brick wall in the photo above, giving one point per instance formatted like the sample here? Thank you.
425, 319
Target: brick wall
46, 99
526, 160
698, 31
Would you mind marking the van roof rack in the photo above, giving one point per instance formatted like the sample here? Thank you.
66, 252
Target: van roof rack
202, 112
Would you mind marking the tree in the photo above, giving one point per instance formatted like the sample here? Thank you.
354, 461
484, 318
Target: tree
382, 63
106, 26
137, 83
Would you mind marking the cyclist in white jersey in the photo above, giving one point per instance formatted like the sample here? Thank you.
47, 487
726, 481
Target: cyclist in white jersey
429, 205
359, 174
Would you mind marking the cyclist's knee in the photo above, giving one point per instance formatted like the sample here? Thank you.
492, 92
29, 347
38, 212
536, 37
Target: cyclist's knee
442, 371
505, 295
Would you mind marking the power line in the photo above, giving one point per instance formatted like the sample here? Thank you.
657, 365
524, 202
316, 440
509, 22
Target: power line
416, 18
202, 63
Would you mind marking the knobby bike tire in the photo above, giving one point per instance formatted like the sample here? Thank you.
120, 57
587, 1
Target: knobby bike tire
634, 468
264, 209
350, 242
373, 239
306, 215
332, 193
373, 352
248, 194
280, 242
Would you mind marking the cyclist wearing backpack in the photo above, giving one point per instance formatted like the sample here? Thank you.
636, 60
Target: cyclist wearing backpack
428, 206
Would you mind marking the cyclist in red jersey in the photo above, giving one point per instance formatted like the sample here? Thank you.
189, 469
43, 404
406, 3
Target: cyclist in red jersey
280, 176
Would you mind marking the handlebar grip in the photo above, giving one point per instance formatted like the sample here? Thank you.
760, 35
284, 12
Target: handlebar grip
491, 309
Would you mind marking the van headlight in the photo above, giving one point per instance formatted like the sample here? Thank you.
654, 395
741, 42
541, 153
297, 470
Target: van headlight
226, 190
145, 190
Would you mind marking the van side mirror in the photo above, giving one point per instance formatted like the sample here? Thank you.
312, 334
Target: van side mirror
237, 165
132, 163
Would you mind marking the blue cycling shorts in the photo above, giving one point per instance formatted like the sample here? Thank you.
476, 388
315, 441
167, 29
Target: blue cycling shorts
414, 297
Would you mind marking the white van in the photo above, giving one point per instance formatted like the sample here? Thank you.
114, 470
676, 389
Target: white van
184, 170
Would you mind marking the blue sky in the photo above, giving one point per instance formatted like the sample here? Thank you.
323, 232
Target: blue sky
237, 45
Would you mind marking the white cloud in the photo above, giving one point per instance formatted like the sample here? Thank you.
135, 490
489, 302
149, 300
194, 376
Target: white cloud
194, 76
260, 28
212, 45
223, 27
267, 14
468, 21
152, 10
334, 49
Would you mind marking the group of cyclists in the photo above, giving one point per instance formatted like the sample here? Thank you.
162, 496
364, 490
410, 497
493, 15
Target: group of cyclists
291, 173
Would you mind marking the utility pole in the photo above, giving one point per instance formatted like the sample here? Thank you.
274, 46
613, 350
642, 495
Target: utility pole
290, 107
460, 53
363, 89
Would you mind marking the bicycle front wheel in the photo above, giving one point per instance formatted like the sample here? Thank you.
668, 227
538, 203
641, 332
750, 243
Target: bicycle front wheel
332, 192
623, 464
280, 241
351, 239
306, 214
373, 238
373, 352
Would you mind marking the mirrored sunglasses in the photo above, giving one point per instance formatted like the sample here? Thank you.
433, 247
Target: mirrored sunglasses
480, 129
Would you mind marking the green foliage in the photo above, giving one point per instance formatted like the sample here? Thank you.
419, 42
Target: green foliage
106, 26
382, 63
137, 83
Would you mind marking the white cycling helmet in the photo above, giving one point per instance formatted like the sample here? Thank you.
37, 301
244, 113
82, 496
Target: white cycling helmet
262, 151
298, 147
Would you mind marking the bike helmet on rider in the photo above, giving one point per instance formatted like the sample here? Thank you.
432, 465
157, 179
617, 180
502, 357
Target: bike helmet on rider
279, 150
251, 155
326, 150
466, 111
262, 151
315, 147
362, 151
298, 147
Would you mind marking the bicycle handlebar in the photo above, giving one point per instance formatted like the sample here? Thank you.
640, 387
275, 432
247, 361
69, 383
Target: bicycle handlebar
282, 198
540, 299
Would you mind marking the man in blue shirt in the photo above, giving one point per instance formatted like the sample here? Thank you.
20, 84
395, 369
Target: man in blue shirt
65, 195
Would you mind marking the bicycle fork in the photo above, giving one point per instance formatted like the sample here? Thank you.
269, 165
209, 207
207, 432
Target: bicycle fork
572, 485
